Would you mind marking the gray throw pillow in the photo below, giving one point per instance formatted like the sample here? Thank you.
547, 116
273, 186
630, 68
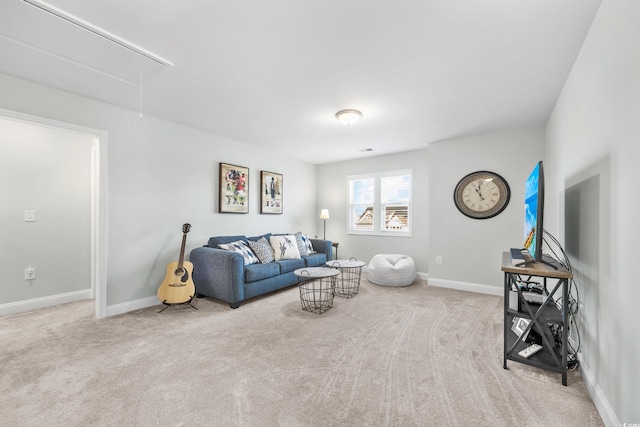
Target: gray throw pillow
263, 250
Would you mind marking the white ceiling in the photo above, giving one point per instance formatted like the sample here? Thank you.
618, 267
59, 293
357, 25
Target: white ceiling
274, 73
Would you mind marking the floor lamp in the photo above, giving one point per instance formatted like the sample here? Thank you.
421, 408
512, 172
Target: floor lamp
324, 215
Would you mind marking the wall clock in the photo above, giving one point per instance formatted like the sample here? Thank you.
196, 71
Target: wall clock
482, 195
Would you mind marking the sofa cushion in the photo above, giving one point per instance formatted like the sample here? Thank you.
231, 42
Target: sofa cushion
315, 260
241, 247
288, 265
223, 240
285, 247
255, 272
263, 250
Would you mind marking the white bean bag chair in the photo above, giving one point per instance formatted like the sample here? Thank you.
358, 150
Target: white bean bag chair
392, 270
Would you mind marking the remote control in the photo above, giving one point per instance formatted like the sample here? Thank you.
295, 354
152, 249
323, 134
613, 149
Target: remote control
532, 349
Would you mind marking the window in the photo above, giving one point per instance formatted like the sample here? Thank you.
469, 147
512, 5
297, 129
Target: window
380, 203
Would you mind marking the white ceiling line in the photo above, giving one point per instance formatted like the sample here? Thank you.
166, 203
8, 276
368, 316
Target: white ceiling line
72, 19
69, 60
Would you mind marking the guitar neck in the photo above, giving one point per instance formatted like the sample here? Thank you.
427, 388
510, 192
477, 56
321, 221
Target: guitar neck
181, 259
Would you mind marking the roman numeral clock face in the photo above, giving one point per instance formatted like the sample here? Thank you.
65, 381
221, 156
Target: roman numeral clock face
482, 195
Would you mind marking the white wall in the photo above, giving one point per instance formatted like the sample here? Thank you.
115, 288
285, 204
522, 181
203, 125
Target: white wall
161, 175
47, 170
333, 195
592, 138
472, 249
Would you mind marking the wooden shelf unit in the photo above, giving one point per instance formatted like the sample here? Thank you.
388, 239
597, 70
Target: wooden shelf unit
551, 357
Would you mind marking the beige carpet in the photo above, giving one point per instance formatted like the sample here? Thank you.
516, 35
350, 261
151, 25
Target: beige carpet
414, 356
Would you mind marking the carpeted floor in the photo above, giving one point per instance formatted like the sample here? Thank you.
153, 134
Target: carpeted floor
412, 356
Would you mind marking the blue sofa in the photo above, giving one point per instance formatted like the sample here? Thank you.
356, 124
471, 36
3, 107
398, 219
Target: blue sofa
222, 274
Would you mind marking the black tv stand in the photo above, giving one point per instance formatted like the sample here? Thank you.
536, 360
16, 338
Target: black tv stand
539, 315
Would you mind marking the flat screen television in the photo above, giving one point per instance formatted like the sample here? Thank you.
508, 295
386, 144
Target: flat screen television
534, 212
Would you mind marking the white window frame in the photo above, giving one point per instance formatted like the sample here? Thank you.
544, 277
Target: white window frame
378, 205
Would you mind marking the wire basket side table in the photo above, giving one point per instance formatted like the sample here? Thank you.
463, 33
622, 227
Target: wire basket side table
317, 286
348, 284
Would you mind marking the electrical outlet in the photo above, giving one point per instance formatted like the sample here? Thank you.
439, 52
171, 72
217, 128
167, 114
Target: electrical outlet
439, 259
29, 273
29, 215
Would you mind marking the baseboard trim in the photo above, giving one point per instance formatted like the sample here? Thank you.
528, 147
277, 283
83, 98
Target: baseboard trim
44, 302
125, 307
419, 275
53, 300
608, 415
468, 287
422, 276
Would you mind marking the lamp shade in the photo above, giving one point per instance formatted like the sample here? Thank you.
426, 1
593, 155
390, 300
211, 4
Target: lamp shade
324, 214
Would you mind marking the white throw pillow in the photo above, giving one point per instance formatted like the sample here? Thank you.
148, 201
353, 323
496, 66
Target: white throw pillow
285, 247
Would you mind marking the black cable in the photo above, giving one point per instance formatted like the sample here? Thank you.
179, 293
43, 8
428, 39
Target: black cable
573, 305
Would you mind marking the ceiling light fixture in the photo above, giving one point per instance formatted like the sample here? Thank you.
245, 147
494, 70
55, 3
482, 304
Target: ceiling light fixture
348, 117
72, 19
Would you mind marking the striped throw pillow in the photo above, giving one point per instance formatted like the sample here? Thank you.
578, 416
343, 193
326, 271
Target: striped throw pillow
241, 247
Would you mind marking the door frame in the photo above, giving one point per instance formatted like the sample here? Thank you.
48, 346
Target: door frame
98, 200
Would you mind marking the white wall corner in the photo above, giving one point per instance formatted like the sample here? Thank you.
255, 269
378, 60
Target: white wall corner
125, 307
600, 400
422, 276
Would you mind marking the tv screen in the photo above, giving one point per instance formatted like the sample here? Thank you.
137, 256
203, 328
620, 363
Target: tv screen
533, 212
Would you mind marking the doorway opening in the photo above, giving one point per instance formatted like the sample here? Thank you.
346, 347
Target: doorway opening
98, 200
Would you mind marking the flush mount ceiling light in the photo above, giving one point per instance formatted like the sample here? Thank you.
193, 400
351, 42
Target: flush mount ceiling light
348, 117
72, 19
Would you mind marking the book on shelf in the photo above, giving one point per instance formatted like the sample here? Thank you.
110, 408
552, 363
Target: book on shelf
520, 257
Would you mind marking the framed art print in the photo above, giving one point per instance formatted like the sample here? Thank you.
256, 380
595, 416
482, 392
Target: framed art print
519, 326
234, 189
270, 193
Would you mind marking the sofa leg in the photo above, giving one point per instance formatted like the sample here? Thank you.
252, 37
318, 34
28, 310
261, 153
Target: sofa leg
234, 304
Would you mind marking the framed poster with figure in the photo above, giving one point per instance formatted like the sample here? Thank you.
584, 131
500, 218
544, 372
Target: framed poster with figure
270, 193
234, 189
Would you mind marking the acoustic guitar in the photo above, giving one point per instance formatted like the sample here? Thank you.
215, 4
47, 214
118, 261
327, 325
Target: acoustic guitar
177, 286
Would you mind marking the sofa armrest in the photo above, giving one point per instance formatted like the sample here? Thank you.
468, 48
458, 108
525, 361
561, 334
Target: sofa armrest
218, 274
323, 247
